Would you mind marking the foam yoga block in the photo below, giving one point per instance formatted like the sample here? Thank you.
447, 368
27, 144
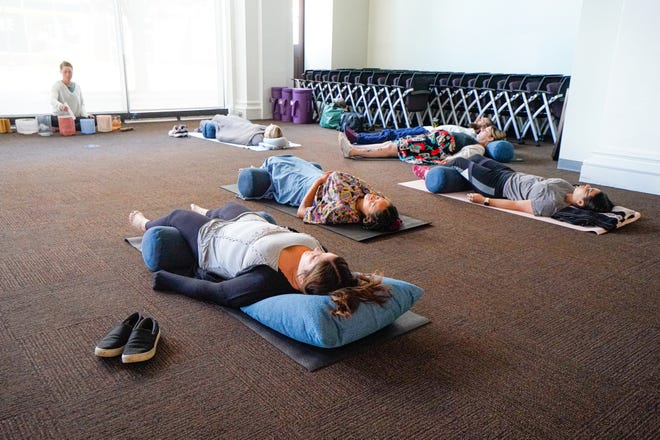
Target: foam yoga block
445, 180
501, 151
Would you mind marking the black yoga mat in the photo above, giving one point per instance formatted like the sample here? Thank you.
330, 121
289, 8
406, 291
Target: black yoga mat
352, 231
310, 357
314, 358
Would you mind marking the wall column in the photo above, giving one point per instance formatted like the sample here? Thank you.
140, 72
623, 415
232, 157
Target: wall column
612, 106
261, 52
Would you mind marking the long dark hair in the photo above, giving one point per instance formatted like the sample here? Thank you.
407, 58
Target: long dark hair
385, 220
347, 289
599, 202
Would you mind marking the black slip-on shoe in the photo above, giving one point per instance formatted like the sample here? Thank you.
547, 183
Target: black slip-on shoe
141, 345
113, 343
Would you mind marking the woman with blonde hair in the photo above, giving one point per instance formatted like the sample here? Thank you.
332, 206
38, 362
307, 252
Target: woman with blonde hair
238, 130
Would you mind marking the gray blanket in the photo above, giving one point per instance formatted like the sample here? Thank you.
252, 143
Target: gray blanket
237, 130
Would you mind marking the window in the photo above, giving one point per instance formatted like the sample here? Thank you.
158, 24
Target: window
128, 56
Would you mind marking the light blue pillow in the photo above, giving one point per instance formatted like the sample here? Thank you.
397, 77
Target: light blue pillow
307, 318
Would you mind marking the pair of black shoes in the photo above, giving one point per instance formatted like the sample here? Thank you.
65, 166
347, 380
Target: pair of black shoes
135, 338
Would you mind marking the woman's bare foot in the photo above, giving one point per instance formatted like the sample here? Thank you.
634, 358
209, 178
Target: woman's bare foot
198, 209
138, 220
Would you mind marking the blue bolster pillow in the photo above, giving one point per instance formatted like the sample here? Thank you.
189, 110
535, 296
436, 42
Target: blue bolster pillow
253, 182
208, 130
305, 318
163, 248
445, 180
501, 151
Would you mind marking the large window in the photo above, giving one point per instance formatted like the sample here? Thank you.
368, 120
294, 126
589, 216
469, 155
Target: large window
128, 56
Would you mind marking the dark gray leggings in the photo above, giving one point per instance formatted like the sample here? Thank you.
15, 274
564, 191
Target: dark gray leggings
189, 222
486, 176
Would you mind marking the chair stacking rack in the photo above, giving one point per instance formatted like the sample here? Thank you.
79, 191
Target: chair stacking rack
525, 106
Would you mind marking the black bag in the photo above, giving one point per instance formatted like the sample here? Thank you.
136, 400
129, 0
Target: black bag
351, 120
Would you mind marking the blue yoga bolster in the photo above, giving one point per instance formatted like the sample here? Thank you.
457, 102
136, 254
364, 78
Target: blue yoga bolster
501, 151
445, 180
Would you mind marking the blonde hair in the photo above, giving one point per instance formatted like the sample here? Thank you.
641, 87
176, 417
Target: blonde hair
273, 131
498, 134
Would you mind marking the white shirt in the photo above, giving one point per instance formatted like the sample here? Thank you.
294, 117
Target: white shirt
226, 248
60, 94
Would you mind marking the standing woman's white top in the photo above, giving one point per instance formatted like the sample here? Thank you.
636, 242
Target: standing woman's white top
66, 96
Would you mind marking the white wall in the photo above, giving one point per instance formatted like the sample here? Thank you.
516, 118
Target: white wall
318, 34
350, 33
342, 42
511, 36
611, 118
260, 54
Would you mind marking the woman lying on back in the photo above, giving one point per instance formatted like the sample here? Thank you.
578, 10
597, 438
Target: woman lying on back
255, 259
333, 197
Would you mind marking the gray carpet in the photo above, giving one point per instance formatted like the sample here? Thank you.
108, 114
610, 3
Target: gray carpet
536, 332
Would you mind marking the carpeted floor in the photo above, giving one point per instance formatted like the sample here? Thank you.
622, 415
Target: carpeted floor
537, 331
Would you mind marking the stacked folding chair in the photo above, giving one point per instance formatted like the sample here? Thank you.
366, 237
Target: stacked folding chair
525, 106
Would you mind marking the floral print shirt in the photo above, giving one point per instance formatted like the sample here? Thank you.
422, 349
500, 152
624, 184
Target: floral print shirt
336, 200
427, 148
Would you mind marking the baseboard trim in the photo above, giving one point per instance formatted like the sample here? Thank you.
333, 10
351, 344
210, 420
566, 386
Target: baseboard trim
622, 170
569, 165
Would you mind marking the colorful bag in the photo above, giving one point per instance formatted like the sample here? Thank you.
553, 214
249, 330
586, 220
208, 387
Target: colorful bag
331, 116
428, 148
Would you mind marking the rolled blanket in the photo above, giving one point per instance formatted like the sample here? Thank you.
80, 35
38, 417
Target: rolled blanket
237, 130
584, 217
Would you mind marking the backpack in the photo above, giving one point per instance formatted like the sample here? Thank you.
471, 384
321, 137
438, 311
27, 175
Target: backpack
331, 116
351, 120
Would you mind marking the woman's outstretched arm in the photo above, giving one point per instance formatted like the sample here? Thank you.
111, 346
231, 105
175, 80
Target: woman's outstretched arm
253, 285
513, 205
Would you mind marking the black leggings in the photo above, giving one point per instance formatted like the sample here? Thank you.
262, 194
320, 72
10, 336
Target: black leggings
486, 176
189, 222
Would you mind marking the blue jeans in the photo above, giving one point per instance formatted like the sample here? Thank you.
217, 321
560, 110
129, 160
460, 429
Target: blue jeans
388, 135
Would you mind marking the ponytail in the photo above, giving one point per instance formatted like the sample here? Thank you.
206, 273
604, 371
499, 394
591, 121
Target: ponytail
347, 289
368, 289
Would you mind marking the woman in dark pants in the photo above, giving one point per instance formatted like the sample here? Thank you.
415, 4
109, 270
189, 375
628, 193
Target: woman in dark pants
255, 259
499, 186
